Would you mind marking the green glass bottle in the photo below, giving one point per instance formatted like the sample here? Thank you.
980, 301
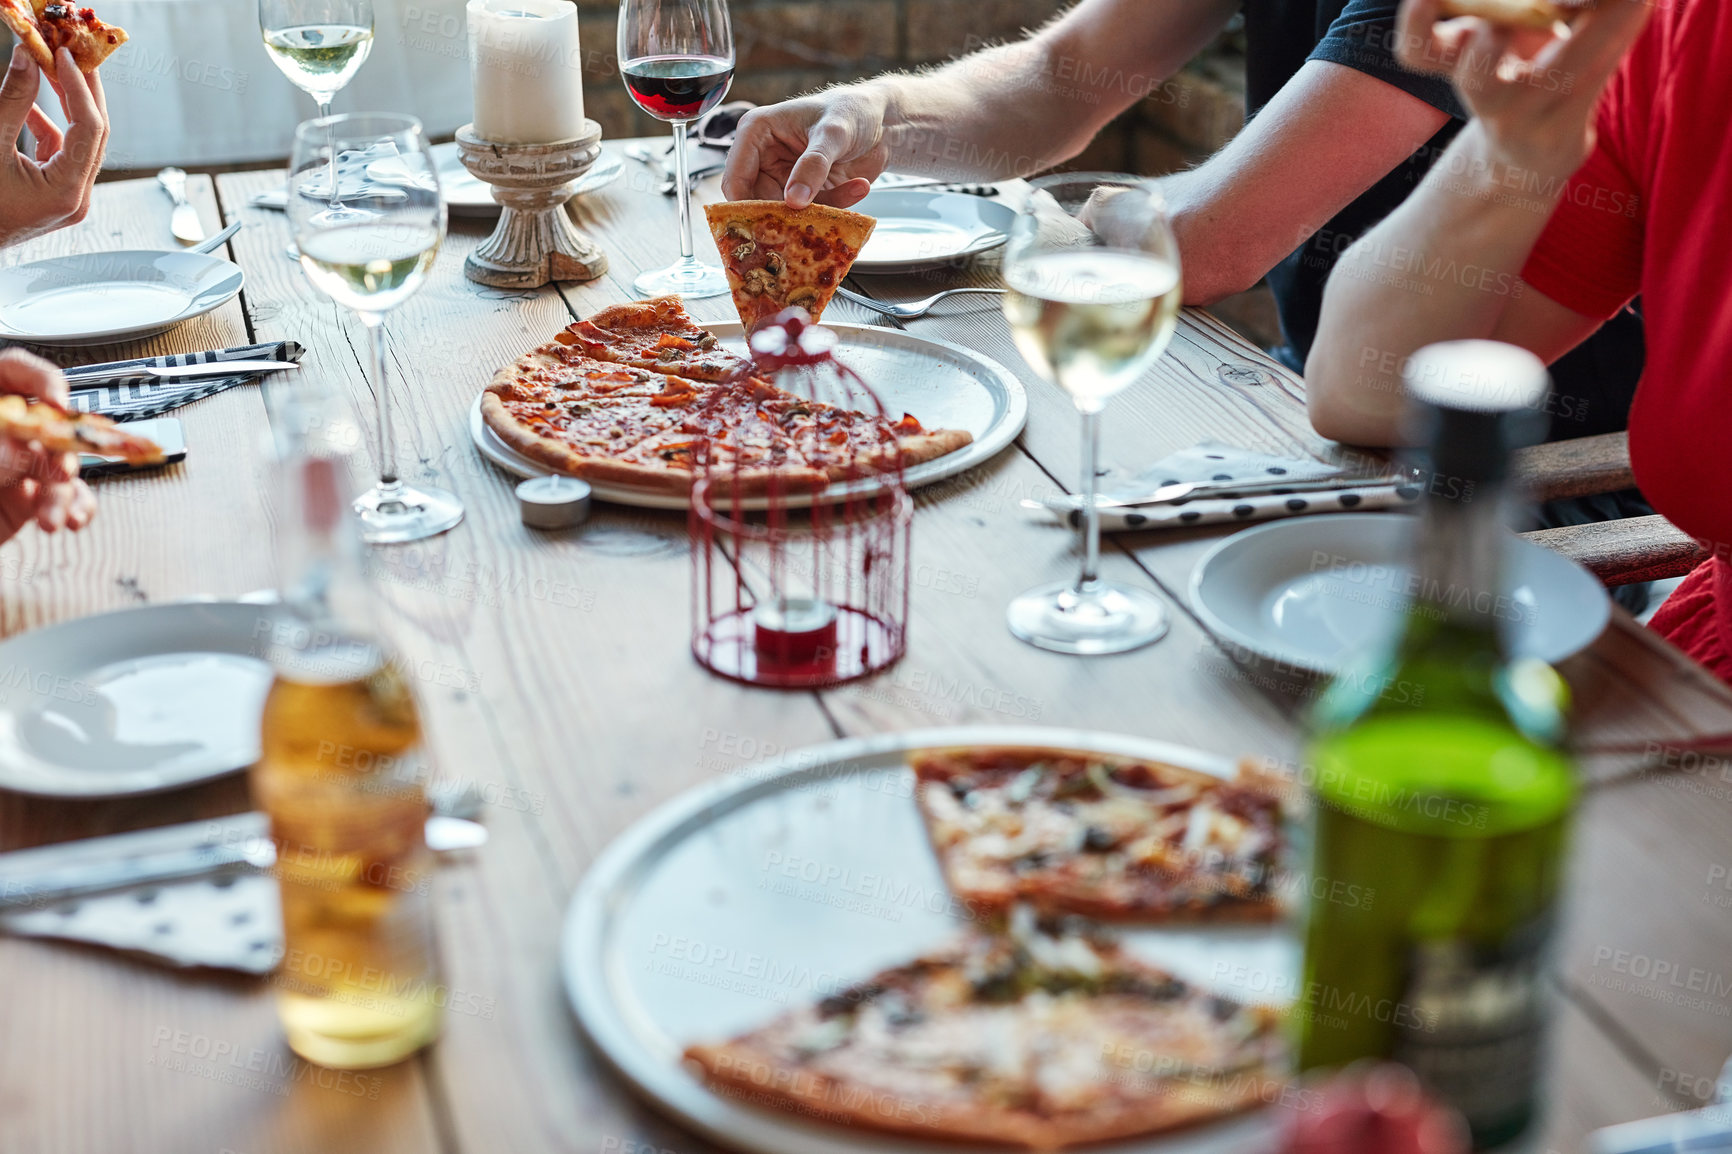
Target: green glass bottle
1439, 787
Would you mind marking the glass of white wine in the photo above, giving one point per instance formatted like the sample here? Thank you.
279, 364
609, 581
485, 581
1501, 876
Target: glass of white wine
319, 45
371, 258
1092, 278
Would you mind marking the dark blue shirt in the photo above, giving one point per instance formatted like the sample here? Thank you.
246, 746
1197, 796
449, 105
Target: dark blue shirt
1593, 385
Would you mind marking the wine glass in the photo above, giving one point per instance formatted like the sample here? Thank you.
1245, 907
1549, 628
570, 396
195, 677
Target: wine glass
319, 45
1091, 271
371, 258
677, 58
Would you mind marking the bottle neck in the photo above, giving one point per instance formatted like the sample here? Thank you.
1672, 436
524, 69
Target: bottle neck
1458, 563
326, 629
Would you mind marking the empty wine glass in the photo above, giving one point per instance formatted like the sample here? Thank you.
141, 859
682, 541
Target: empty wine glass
1092, 273
677, 59
371, 258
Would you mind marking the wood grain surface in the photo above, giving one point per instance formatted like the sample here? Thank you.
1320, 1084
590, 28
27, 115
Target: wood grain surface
554, 675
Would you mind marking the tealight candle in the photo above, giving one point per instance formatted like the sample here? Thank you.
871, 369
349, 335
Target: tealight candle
553, 502
793, 630
526, 69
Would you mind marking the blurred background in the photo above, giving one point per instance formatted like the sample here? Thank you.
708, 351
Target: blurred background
193, 87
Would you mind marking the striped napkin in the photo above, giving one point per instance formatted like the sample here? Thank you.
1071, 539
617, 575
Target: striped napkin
136, 400
1215, 462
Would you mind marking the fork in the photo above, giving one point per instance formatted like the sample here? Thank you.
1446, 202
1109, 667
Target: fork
913, 310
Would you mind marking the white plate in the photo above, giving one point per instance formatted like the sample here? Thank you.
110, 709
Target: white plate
466, 196
918, 230
101, 297
1313, 591
946, 386
687, 928
134, 701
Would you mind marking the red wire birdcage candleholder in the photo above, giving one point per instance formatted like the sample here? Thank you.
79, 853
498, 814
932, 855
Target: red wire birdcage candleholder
798, 581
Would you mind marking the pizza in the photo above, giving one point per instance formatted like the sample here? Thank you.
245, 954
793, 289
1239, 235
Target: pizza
46, 26
1041, 1039
655, 334
778, 257
1541, 14
60, 432
589, 404
1110, 837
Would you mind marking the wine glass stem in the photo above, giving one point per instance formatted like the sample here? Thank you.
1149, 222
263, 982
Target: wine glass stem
682, 191
331, 137
1091, 446
389, 485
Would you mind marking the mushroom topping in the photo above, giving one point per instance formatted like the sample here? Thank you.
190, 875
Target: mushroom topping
740, 230
804, 297
774, 263
742, 251
757, 281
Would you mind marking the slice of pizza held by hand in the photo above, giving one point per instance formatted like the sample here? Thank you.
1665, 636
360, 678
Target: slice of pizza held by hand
46, 26
777, 257
59, 432
1039, 1039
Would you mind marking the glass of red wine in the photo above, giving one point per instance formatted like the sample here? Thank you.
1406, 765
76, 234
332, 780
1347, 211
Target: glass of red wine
677, 57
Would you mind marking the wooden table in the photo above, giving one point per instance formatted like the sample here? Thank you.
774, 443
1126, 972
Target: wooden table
554, 672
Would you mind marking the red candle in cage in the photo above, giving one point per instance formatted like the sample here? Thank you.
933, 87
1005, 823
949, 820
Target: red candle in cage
793, 587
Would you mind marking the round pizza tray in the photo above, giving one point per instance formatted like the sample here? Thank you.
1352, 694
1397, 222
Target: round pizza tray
945, 385
784, 880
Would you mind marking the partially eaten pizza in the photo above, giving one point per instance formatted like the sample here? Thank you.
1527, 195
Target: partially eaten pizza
639, 395
1110, 837
778, 257
1044, 1038
60, 432
46, 26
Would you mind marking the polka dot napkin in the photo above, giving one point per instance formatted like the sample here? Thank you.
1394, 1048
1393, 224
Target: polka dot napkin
1216, 463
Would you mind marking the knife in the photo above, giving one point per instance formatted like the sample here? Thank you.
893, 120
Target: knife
184, 223
101, 376
171, 853
1184, 490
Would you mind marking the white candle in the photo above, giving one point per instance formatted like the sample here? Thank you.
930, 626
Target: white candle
527, 70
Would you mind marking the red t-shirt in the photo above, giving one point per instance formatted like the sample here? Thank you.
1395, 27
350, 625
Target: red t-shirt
1651, 213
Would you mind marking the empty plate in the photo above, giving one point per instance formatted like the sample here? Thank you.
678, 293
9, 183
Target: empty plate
1315, 591
101, 297
919, 230
133, 701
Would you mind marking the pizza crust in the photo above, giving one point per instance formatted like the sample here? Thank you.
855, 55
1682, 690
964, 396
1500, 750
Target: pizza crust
22, 21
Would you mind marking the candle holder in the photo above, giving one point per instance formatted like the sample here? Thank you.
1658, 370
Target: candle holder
795, 588
535, 241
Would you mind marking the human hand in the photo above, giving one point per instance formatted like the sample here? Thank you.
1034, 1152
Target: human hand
1533, 93
827, 147
51, 189
36, 485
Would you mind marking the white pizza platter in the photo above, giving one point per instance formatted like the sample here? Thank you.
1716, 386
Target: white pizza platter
945, 385
783, 881
102, 297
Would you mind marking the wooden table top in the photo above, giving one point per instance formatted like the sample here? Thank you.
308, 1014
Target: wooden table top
554, 671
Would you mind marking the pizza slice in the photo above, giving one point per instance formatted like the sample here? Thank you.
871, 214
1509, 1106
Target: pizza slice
777, 257
654, 334
1038, 1039
46, 26
60, 432
1109, 837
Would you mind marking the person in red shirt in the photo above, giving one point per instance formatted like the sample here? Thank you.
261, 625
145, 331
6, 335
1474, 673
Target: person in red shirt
1594, 170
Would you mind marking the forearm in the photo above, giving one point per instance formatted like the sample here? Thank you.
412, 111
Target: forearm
1016, 109
1443, 266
